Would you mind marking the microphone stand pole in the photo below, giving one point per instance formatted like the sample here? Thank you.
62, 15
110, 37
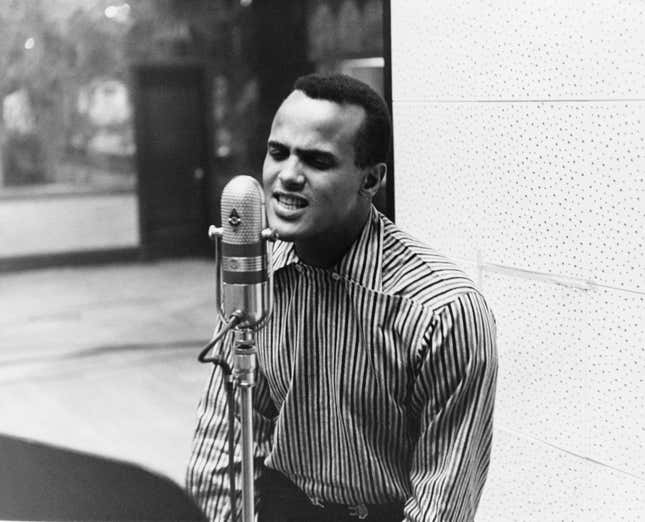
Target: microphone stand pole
244, 366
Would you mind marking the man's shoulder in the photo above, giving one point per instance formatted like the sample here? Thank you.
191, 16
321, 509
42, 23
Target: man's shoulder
416, 271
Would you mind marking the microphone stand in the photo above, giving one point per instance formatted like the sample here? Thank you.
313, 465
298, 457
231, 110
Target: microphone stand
244, 366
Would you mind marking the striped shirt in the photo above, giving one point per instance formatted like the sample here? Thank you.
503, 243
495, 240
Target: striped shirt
376, 383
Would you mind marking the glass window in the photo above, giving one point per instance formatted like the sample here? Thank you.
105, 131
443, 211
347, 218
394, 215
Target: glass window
66, 127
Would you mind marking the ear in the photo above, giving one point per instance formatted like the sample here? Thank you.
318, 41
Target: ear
373, 178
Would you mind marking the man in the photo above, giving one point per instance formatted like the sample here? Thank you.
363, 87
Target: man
378, 367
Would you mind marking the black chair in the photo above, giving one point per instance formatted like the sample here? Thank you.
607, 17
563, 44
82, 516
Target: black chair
42, 482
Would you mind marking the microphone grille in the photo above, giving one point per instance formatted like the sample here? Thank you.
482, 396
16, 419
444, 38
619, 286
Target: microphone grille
242, 210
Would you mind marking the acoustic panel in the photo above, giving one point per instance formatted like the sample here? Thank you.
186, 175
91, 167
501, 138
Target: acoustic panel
549, 187
571, 367
535, 482
524, 50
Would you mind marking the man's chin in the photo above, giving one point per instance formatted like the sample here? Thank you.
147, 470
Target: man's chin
298, 229
284, 231
285, 235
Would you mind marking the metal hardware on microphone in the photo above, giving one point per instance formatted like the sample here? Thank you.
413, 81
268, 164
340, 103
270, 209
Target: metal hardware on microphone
244, 294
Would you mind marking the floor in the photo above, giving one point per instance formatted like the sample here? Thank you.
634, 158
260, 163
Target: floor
103, 359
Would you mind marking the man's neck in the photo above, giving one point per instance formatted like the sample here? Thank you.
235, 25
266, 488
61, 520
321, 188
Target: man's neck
328, 251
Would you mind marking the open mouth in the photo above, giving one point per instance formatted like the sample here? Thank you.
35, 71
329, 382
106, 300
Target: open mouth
290, 202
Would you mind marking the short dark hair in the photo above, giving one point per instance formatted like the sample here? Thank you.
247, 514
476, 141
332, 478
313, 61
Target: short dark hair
372, 143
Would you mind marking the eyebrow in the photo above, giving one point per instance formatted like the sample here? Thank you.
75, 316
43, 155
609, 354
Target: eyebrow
305, 153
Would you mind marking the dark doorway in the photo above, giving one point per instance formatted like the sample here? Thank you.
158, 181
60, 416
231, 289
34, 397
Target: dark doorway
172, 134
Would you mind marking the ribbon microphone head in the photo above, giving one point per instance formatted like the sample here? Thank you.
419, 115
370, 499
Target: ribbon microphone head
246, 285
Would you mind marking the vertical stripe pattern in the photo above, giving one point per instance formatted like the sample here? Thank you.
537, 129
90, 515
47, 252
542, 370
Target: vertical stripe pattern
377, 383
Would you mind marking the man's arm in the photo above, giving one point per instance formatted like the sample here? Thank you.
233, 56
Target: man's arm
454, 393
207, 479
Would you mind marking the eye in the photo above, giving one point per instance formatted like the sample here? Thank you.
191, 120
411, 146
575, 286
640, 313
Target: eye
319, 161
277, 152
320, 164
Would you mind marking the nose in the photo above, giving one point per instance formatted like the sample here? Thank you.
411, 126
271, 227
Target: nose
291, 176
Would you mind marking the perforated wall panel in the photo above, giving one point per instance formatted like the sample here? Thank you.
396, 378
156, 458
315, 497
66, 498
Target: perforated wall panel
534, 482
572, 365
550, 187
535, 50
519, 149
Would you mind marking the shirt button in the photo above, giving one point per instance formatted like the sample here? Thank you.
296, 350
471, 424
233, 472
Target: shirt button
299, 268
335, 276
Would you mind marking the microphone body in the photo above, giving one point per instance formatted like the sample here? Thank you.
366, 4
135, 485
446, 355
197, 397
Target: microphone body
246, 288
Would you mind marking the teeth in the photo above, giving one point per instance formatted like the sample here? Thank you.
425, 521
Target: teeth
291, 202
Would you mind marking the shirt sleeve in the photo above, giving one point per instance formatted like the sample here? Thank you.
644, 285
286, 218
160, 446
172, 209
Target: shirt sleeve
207, 479
454, 394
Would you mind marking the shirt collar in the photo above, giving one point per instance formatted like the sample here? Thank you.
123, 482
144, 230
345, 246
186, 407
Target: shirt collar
362, 263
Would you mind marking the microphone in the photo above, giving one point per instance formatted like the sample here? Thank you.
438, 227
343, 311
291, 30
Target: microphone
244, 284
244, 293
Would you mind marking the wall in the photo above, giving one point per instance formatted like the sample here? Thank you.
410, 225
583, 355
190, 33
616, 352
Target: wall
519, 151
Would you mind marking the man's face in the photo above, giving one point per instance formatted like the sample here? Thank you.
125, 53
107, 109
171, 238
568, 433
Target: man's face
310, 179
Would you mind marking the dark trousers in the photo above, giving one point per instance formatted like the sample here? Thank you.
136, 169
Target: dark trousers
282, 501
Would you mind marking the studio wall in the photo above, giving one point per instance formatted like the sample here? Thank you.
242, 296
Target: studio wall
519, 147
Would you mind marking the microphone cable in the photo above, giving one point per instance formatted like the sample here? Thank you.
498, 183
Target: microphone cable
233, 321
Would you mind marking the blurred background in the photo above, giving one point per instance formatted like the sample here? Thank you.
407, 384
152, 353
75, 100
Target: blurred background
518, 151
121, 122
